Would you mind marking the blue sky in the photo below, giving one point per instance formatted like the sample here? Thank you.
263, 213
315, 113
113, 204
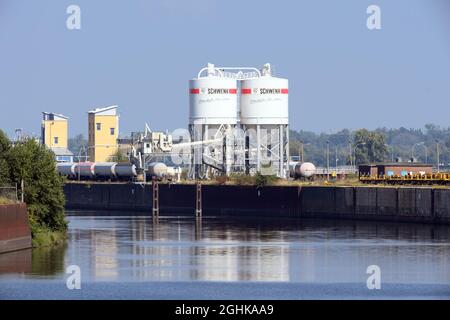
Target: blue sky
140, 55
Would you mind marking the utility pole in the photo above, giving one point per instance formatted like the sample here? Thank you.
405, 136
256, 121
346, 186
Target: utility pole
22, 191
302, 150
336, 166
328, 160
351, 154
437, 154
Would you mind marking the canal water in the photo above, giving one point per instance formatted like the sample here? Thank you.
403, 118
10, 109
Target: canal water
136, 257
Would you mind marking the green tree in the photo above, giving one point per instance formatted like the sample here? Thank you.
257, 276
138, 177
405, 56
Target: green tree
5, 145
119, 156
35, 165
369, 146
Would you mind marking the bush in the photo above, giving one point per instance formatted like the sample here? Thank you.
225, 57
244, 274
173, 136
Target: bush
264, 180
35, 165
119, 156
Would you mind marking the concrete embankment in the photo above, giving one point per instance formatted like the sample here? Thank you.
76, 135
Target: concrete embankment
15, 233
429, 205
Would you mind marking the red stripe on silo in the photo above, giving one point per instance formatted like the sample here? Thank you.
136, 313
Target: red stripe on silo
195, 91
246, 91
284, 91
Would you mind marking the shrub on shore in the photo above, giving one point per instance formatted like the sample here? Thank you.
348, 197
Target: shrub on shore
34, 164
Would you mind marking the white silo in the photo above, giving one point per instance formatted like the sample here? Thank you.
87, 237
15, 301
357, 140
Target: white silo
265, 119
212, 115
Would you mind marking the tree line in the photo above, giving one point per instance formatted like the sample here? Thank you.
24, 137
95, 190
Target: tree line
379, 145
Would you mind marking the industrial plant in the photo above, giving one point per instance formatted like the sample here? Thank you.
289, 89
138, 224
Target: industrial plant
238, 124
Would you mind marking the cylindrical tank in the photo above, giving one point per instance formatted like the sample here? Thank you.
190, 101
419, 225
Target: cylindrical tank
122, 170
157, 169
305, 170
66, 169
213, 100
85, 169
264, 100
104, 169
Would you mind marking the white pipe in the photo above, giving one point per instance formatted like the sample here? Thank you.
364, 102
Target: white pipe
219, 69
195, 143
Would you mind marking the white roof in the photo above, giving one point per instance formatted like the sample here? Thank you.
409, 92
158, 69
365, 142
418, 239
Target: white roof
61, 151
55, 115
112, 110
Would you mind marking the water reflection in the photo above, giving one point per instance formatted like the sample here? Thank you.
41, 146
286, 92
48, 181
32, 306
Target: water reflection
15, 262
48, 261
185, 249
40, 262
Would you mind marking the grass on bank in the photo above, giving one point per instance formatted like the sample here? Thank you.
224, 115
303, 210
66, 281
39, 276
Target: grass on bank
45, 237
4, 200
348, 181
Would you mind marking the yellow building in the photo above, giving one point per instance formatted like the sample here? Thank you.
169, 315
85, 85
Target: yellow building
103, 133
54, 132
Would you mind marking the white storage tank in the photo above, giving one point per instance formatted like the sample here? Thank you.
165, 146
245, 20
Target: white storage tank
157, 169
264, 116
213, 100
213, 112
264, 100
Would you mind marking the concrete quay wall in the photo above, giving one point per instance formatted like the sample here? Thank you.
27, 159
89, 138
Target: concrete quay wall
428, 205
15, 233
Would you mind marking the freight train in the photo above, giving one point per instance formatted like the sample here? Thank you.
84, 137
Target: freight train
302, 170
442, 178
114, 171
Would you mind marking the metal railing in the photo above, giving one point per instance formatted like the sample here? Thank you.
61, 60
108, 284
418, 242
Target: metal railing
9, 193
339, 170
